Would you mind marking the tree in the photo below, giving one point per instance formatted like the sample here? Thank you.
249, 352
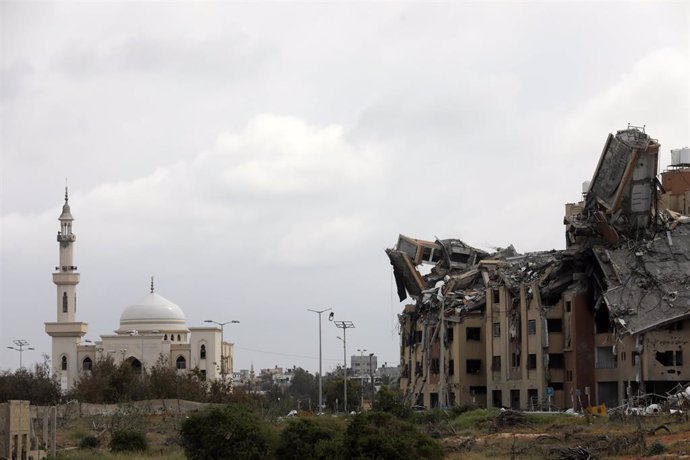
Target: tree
36, 386
334, 390
304, 385
391, 401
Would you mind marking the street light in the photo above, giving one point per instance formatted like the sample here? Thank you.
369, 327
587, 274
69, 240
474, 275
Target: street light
223, 367
320, 359
344, 325
20, 344
371, 374
361, 377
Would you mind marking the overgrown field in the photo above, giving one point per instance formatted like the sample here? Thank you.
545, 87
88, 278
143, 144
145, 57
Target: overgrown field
453, 434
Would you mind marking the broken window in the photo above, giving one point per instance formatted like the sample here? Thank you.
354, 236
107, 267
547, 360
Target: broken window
451, 367
435, 367
449, 334
496, 296
497, 398
496, 364
532, 326
515, 359
497, 329
418, 336
602, 321
556, 361
531, 361
477, 390
554, 325
474, 366
473, 333
87, 364
669, 358
606, 359
635, 358
568, 306
557, 386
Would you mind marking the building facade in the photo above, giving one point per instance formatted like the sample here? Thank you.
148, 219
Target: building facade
602, 322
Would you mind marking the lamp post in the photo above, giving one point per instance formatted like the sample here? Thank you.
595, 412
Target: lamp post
223, 367
344, 325
371, 374
20, 347
361, 377
320, 359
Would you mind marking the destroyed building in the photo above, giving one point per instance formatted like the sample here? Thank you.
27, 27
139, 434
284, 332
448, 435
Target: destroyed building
596, 323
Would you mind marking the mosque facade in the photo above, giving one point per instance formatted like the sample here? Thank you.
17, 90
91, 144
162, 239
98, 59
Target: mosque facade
152, 331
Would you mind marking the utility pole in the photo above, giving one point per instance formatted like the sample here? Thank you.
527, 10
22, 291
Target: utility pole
344, 325
320, 359
361, 377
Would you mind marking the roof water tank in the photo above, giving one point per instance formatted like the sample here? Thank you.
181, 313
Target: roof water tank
680, 156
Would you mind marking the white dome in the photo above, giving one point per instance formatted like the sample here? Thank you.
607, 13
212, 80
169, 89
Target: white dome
153, 312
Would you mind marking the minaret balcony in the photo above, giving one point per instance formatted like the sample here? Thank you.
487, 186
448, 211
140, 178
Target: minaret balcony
66, 278
66, 268
67, 238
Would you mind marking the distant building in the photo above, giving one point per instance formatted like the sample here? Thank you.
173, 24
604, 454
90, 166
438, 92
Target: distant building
362, 364
152, 330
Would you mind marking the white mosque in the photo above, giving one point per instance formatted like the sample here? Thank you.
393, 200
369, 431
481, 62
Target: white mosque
152, 330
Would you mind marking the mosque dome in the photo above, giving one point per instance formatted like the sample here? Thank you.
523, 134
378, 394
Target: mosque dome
153, 312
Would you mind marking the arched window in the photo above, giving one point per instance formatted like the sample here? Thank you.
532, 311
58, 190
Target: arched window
202, 352
64, 302
63, 363
166, 337
172, 337
178, 337
181, 362
86, 364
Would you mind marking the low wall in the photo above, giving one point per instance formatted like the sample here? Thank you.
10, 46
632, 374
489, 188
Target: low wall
147, 407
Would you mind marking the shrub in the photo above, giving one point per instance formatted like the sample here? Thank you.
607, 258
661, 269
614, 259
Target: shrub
380, 435
391, 401
656, 449
306, 438
89, 442
128, 441
232, 431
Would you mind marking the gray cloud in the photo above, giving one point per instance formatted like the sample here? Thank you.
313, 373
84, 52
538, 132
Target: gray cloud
257, 159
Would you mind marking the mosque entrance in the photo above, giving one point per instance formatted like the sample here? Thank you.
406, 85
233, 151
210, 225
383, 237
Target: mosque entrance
135, 363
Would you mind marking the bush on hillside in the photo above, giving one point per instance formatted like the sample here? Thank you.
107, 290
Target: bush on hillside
382, 436
310, 439
128, 441
231, 431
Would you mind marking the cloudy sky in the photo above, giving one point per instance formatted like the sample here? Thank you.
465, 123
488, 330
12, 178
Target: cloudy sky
257, 158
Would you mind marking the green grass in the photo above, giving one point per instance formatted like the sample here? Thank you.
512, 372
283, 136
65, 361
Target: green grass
472, 420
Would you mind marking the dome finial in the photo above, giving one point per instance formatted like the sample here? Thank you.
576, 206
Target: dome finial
66, 193
152, 285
